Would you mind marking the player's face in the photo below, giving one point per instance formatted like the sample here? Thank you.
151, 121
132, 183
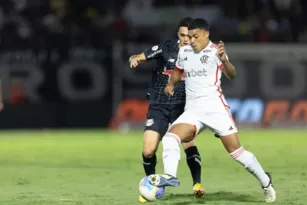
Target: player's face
183, 36
199, 39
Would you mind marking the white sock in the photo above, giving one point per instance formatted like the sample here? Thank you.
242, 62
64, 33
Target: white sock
171, 153
250, 162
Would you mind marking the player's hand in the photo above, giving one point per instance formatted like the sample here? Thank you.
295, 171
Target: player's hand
221, 52
169, 89
134, 62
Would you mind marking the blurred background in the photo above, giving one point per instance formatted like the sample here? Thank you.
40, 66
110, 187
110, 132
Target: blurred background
64, 63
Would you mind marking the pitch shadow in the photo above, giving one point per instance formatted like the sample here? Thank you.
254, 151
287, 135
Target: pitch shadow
185, 199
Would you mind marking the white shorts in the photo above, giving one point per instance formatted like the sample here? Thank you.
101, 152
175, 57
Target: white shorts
218, 120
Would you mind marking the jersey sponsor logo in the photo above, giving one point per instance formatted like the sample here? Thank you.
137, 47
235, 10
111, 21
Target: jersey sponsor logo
155, 53
204, 59
207, 51
188, 50
154, 48
195, 73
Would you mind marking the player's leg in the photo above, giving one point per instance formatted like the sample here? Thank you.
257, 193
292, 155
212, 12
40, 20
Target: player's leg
250, 162
150, 145
182, 130
156, 126
171, 141
223, 125
192, 155
194, 162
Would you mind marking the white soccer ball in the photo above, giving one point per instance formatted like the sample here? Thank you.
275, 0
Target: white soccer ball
150, 192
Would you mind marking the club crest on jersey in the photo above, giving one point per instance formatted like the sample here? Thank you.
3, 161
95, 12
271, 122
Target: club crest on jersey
149, 122
154, 48
171, 60
204, 59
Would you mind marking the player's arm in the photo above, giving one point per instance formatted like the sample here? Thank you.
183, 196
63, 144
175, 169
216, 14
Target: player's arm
224, 63
149, 54
175, 77
228, 69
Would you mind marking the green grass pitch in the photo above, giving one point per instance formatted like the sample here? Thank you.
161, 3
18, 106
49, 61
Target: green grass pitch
103, 168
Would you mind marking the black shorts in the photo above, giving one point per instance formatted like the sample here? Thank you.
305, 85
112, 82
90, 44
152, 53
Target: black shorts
160, 116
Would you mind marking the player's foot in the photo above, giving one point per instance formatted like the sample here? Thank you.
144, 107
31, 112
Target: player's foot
198, 190
142, 200
162, 180
269, 191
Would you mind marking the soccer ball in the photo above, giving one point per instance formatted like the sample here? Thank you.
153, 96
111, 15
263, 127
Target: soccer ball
148, 191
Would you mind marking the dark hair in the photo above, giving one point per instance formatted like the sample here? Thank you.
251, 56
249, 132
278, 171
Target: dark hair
185, 22
199, 24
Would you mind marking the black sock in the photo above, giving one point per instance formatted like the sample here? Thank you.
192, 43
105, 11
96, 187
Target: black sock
194, 162
149, 164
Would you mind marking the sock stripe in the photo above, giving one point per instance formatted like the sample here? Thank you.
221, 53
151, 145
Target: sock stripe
169, 134
194, 156
237, 153
198, 161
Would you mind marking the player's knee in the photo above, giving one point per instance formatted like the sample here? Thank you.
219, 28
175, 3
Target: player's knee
151, 143
184, 131
149, 151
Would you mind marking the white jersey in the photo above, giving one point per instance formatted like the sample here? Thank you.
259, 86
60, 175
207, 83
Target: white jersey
202, 72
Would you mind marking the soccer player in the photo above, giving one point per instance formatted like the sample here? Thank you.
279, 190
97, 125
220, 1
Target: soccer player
164, 109
203, 63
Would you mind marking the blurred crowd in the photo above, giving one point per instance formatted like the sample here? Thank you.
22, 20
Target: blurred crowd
41, 23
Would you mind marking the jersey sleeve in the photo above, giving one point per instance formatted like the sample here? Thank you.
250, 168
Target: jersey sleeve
154, 52
219, 63
179, 61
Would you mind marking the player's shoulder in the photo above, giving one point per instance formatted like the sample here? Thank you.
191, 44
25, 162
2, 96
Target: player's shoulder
171, 43
210, 50
212, 47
